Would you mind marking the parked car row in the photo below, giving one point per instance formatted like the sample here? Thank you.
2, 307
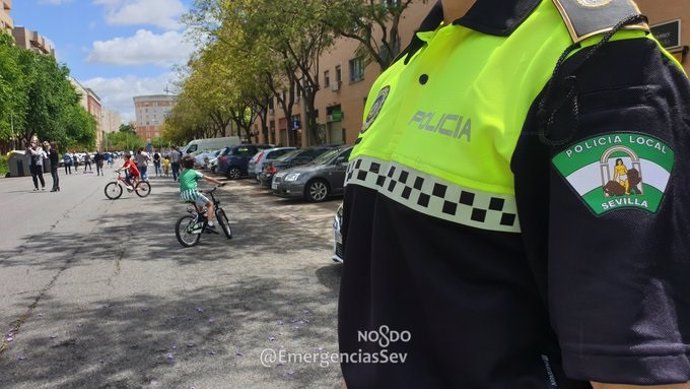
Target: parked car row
315, 181
313, 174
233, 161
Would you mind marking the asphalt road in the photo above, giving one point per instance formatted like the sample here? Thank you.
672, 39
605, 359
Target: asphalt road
96, 293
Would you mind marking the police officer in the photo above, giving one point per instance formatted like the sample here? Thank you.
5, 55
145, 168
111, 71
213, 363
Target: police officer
517, 204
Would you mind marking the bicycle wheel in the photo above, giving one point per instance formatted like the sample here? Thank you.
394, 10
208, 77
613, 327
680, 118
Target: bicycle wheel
185, 231
223, 222
143, 188
113, 190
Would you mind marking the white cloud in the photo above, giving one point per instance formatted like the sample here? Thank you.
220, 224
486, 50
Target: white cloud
117, 93
161, 13
144, 47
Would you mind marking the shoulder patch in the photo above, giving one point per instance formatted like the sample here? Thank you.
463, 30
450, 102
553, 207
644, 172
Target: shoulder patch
617, 170
586, 18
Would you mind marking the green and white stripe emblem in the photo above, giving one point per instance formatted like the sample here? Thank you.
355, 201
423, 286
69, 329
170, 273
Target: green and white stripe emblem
618, 170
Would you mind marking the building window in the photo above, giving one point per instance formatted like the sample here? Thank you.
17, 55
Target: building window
338, 74
326, 79
296, 123
356, 69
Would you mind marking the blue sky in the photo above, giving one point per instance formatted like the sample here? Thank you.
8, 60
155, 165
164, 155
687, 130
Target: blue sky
118, 48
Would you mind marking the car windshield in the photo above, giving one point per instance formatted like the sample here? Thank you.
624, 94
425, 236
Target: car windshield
288, 155
325, 157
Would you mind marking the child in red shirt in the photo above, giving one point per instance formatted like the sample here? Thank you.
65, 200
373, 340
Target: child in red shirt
131, 170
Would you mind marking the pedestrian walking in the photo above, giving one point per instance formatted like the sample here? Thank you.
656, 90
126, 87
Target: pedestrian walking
142, 160
516, 211
54, 159
75, 162
98, 160
157, 163
175, 157
35, 151
166, 165
67, 162
87, 162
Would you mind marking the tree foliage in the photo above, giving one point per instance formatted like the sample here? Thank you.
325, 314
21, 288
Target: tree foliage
123, 141
254, 51
36, 97
262, 49
375, 24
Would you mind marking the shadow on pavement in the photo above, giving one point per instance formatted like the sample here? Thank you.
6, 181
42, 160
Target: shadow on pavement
200, 335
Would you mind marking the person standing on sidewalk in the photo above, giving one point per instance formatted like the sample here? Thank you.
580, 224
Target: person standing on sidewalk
54, 161
483, 218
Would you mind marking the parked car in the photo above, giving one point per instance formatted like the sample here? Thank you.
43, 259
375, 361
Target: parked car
198, 146
203, 159
256, 164
213, 163
337, 236
286, 161
315, 181
233, 160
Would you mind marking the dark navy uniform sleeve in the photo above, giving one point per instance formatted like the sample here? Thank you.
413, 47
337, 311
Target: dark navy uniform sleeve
603, 191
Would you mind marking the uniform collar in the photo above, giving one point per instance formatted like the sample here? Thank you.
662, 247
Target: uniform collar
493, 17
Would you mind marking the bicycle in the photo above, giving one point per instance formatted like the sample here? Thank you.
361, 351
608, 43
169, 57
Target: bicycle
189, 228
113, 190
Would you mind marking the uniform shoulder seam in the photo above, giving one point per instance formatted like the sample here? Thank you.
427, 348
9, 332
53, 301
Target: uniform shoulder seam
587, 18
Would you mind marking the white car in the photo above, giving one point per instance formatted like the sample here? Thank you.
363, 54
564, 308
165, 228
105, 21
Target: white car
256, 164
203, 159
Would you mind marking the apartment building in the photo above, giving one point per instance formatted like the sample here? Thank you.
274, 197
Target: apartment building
32, 40
150, 113
6, 23
95, 108
345, 81
110, 121
90, 101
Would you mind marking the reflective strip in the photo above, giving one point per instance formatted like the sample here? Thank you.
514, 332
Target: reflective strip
435, 197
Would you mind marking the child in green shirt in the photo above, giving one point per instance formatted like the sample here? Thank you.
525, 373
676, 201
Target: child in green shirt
189, 192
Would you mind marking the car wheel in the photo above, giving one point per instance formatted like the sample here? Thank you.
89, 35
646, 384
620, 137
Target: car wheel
316, 191
234, 173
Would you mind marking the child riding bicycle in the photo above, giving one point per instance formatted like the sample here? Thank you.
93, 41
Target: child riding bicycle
189, 192
131, 171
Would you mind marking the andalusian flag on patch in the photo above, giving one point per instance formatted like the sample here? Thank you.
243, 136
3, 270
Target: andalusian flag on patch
618, 170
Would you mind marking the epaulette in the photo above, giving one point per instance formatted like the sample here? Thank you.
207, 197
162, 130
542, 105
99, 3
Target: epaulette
586, 18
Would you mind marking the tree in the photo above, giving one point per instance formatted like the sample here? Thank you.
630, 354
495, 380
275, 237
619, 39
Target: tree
12, 92
129, 127
123, 141
36, 97
285, 35
373, 23
52, 110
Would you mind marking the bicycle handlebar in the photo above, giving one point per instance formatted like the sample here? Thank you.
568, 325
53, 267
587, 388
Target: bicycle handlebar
215, 188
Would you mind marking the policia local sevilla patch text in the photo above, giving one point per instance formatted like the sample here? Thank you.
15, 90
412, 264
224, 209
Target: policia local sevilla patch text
617, 170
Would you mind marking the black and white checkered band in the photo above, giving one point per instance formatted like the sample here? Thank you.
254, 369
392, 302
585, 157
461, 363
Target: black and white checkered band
434, 196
